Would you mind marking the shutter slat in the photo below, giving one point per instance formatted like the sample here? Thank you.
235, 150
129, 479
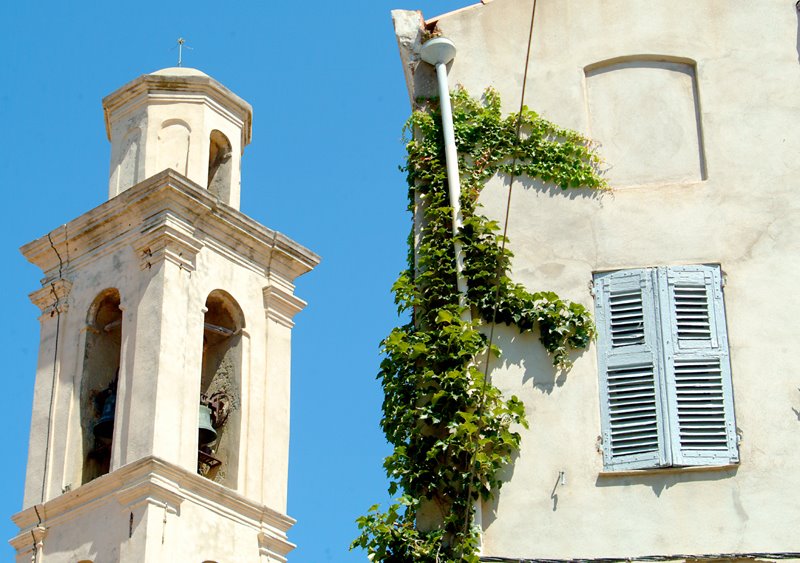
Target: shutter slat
631, 386
644, 410
638, 423
627, 376
631, 415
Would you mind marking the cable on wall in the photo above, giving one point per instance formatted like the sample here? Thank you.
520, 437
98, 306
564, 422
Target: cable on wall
57, 311
502, 250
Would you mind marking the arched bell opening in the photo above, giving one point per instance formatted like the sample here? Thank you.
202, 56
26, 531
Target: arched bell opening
98, 389
220, 166
220, 386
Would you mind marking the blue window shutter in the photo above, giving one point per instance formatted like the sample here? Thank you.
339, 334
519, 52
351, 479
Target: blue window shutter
631, 404
697, 372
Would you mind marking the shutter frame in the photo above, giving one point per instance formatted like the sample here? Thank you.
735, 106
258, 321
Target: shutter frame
627, 362
700, 415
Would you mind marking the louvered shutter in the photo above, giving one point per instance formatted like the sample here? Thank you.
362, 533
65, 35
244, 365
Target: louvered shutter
631, 395
697, 367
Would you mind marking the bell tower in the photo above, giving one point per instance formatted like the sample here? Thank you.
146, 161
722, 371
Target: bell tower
160, 426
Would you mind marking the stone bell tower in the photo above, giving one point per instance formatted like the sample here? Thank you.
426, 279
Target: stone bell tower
160, 425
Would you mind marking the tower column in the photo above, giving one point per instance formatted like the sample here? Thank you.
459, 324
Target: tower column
280, 307
160, 390
52, 300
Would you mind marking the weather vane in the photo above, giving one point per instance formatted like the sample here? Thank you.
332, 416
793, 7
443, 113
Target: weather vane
181, 45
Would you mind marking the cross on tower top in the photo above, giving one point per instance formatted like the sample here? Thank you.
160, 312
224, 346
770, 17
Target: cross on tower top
181, 45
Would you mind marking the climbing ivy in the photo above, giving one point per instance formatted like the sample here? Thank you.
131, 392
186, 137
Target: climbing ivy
451, 429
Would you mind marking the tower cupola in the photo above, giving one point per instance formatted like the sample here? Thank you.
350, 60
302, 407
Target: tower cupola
178, 118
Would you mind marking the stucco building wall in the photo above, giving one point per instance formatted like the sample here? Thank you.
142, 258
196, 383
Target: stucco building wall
694, 105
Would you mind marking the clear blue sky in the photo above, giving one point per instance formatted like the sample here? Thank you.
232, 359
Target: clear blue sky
326, 85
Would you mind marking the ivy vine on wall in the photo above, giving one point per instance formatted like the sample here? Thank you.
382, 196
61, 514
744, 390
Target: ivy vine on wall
451, 429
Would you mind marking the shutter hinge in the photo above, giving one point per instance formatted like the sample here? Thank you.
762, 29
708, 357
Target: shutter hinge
592, 289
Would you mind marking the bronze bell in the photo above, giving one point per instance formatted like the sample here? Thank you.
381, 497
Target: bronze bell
104, 429
207, 433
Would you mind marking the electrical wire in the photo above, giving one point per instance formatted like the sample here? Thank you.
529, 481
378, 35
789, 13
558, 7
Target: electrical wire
481, 404
57, 310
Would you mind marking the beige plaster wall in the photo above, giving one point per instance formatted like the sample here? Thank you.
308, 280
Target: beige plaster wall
695, 107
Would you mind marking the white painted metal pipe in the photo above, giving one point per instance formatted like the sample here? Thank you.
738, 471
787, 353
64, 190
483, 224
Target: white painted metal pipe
438, 52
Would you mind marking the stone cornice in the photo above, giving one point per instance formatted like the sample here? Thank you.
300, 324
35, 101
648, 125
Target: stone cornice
163, 484
169, 237
280, 304
151, 488
24, 543
273, 548
153, 84
188, 215
52, 299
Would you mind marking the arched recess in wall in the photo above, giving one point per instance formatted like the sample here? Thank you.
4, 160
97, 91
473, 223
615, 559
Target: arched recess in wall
174, 138
98, 387
220, 387
220, 166
644, 110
